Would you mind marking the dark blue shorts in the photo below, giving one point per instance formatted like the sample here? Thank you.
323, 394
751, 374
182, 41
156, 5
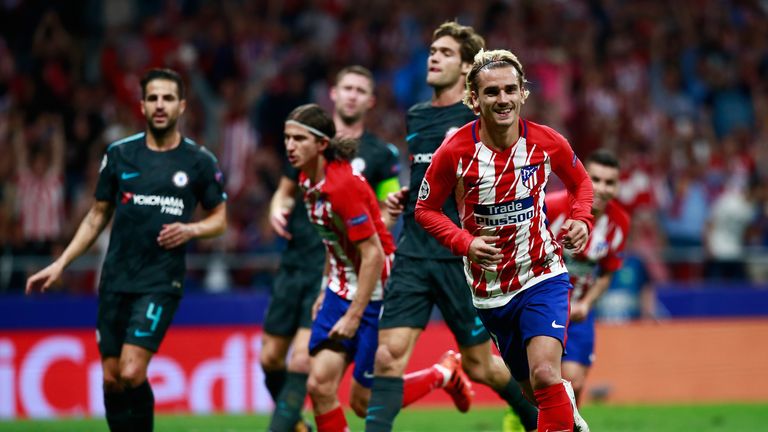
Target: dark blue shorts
581, 341
541, 310
361, 349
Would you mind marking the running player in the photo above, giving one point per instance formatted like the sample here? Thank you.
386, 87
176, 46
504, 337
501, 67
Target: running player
496, 168
425, 273
591, 270
151, 182
345, 212
298, 281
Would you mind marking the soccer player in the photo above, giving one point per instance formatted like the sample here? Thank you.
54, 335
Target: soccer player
424, 272
592, 269
151, 182
496, 168
298, 282
344, 209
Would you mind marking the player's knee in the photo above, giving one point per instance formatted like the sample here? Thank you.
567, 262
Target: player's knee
544, 375
319, 389
111, 384
133, 375
299, 361
476, 369
389, 360
271, 360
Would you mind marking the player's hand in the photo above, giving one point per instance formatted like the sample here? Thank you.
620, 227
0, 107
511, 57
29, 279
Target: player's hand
576, 235
44, 279
483, 252
345, 327
395, 202
174, 235
279, 222
579, 311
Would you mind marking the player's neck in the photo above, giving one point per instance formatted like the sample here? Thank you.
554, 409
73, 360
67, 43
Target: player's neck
499, 138
161, 142
344, 130
447, 96
315, 170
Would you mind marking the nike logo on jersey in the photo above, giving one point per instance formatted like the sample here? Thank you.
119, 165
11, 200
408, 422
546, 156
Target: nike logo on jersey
556, 325
139, 333
368, 375
129, 175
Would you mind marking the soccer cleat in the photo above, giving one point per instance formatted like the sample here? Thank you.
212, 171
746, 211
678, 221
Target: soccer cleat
458, 386
303, 426
511, 422
579, 424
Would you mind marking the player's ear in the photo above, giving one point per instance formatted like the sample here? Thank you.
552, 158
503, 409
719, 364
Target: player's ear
465, 68
475, 102
182, 106
324, 143
333, 93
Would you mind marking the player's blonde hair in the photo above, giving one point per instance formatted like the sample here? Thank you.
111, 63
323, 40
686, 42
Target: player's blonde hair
491, 60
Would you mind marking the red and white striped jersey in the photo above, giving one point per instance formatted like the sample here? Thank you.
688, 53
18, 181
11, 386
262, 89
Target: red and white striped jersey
604, 247
502, 194
344, 210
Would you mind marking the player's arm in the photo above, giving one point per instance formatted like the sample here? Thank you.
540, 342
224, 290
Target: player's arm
580, 309
92, 225
282, 204
323, 285
176, 234
576, 179
371, 265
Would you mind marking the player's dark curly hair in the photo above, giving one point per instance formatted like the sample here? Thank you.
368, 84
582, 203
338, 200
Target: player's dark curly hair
314, 117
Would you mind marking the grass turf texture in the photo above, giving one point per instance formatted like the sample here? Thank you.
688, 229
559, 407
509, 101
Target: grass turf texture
601, 418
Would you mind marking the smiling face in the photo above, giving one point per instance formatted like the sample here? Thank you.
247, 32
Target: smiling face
605, 184
161, 106
499, 96
444, 65
303, 148
352, 97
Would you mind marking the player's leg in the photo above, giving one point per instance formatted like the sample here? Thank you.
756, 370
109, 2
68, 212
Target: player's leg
287, 312
455, 303
325, 372
406, 310
290, 401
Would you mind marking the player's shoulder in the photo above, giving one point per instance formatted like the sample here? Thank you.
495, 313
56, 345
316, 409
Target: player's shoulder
198, 151
618, 214
128, 142
376, 142
467, 135
420, 107
541, 134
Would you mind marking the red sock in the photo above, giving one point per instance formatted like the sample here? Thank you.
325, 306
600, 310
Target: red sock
555, 411
418, 384
332, 421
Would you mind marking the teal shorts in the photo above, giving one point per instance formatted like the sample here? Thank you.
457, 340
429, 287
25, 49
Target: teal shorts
133, 318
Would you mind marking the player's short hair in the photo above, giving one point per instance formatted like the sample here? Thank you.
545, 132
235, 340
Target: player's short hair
486, 60
469, 41
163, 74
358, 70
603, 157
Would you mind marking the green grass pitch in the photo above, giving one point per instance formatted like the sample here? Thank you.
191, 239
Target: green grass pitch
601, 418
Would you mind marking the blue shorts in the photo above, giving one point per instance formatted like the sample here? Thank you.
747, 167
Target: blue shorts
581, 341
362, 348
541, 310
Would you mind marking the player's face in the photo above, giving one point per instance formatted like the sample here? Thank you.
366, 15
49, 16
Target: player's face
605, 183
352, 97
499, 97
302, 147
161, 105
444, 65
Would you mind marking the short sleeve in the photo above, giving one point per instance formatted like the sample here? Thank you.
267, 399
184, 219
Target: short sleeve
106, 187
212, 183
351, 206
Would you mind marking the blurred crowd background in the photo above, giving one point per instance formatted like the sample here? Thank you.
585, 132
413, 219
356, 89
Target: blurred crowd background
679, 90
